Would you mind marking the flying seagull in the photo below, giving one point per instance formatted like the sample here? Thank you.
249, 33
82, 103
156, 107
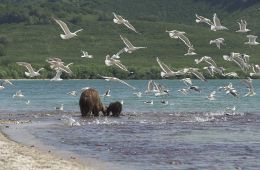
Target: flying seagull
109, 61
216, 24
166, 71
218, 42
242, 26
31, 72
67, 34
57, 76
201, 19
249, 84
129, 46
117, 79
118, 19
252, 40
86, 55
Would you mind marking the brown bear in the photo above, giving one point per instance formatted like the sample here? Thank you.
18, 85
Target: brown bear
90, 102
115, 108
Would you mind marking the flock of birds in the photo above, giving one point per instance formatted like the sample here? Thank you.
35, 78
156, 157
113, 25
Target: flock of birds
241, 60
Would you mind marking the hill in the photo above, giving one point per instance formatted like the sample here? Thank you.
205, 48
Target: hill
27, 33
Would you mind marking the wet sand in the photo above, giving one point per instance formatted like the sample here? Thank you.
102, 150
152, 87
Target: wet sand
15, 156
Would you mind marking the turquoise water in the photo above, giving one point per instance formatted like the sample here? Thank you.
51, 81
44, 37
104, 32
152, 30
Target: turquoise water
190, 132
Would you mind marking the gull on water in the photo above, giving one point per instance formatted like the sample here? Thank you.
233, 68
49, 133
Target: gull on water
72, 93
249, 84
216, 24
149, 102
118, 80
212, 95
160, 90
27, 102
67, 34
86, 55
129, 46
57, 76
118, 19
60, 108
229, 89
31, 72
18, 94
138, 94
107, 93
201, 19
67, 120
218, 42
242, 26
165, 102
109, 61
252, 40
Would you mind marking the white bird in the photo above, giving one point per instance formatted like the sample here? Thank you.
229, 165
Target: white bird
148, 102
165, 102
118, 80
191, 51
67, 34
58, 64
242, 26
28, 102
86, 55
195, 72
252, 40
18, 94
117, 55
206, 59
231, 74
84, 88
160, 90
212, 70
180, 34
118, 19
218, 42
57, 76
186, 81
138, 94
31, 72
72, 93
60, 108
166, 71
239, 59
151, 87
67, 120
184, 91
109, 61
201, 19
249, 84
4, 82
212, 95
129, 46
231, 108
256, 70
229, 89
107, 93
216, 24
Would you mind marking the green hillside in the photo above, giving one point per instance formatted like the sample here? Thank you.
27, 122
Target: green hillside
27, 33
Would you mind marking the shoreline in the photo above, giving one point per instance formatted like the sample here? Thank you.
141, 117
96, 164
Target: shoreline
17, 156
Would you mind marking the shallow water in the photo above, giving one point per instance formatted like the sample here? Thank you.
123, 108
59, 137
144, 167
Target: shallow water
190, 132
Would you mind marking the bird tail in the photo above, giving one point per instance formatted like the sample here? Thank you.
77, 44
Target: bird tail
197, 20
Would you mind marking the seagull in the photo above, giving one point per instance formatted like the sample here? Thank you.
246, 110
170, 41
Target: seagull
195, 72
216, 24
160, 90
256, 70
207, 59
138, 94
191, 51
117, 55
201, 19
109, 61
69, 121
117, 79
195, 88
72, 93
231, 108
31, 72
107, 93
86, 55
148, 102
242, 26
120, 20
164, 102
187, 81
57, 63
166, 71
252, 40
180, 34
239, 59
4, 82
212, 95
218, 42
231, 74
57, 76
151, 87
60, 108
229, 89
28, 102
184, 91
18, 94
67, 34
129, 46
249, 85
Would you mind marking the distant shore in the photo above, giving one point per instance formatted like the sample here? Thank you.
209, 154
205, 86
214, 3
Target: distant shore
15, 156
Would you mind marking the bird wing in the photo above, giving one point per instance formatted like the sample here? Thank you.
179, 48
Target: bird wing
198, 75
121, 81
120, 65
118, 17
27, 65
211, 62
126, 42
163, 66
185, 40
65, 69
63, 26
216, 20
128, 25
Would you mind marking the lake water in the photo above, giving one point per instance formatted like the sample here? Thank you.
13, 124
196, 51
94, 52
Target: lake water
190, 132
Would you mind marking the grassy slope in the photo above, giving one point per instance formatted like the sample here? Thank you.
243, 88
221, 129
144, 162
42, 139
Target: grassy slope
36, 43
